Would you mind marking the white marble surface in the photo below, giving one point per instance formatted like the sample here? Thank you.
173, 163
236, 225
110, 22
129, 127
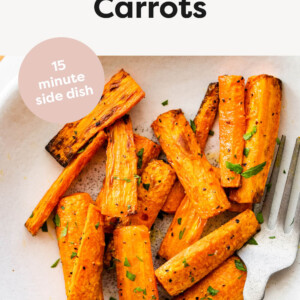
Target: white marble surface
27, 170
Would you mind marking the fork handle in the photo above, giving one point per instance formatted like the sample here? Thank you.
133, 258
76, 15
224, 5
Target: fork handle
255, 286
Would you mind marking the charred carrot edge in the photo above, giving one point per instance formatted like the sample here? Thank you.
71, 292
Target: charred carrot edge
135, 273
206, 114
120, 94
120, 189
192, 168
145, 150
86, 279
71, 214
157, 181
43, 210
195, 262
185, 229
263, 104
227, 280
174, 198
232, 124
239, 207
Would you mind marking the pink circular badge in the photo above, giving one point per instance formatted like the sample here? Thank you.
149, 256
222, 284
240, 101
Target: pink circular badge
61, 80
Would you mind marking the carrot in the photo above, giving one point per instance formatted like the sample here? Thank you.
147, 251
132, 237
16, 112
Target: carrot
43, 210
206, 114
135, 273
156, 183
185, 229
145, 150
195, 262
71, 214
192, 168
224, 283
232, 125
263, 104
120, 94
88, 265
120, 188
174, 198
239, 207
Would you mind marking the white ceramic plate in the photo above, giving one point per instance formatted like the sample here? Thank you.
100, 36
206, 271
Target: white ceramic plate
27, 170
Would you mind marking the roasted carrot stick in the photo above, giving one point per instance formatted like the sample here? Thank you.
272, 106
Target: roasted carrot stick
120, 188
174, 198
43, 210
156, 183
120, 94
135, 273
232, 125
224, 283
145, 150
86, 279
71, 214
263, 104
195, 262
239, 207
185, 229
206, 115
192, 168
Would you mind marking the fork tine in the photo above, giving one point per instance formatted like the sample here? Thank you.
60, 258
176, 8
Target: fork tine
287, 188
272, 177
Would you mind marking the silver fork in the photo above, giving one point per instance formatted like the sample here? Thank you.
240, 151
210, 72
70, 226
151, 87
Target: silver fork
279, 236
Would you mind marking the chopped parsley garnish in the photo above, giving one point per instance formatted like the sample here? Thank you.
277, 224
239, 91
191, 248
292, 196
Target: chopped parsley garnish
139, 289
56, 220
239, 265
139, 259
126, 262
247, 136
284, 172
246, 151
146, 186
97, 225
236, 168
45, 227
55, 263
185, 263
212, 291
153, 297
268, 186
140, 158
278, 141
139, 178
231, 178
130, 276
252, 241
64, 231
123, 179
181, 233
212, 254
260, 218
192, 123
73, 254
128, 206
272, 237
166, 102
254, 170
62, 207
112, 298
80, 151
211, 132
31, 216
179, 221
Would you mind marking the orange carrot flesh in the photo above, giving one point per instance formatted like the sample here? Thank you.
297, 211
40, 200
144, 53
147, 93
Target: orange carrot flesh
135, 273
174, 198
232, 124
206, 114
86, 279
120, 189
195, 262
263, 105
192, 168
43, 210
185, 229
239, 207
227, 281
71, 214
120, 94
145, 150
